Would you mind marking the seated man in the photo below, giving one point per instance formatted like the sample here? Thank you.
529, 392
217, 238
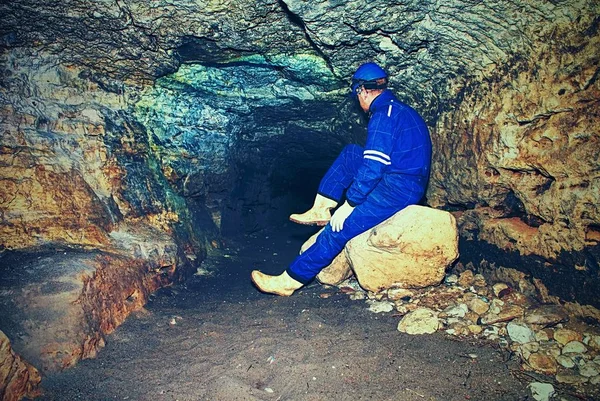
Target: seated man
390, 173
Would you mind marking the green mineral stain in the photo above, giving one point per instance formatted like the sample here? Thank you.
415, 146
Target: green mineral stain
256, 77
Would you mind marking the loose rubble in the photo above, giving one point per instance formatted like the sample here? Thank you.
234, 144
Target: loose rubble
548, 338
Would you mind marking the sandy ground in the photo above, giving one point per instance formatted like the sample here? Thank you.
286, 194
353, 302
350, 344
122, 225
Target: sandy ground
218, 338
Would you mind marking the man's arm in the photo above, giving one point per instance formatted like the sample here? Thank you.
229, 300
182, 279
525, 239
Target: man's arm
376, 157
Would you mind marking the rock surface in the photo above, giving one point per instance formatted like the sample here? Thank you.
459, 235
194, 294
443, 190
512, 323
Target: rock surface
412, 249
58, 306
18, 378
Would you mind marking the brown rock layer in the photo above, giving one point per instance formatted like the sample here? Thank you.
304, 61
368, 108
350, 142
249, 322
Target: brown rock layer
18, 378
521, 154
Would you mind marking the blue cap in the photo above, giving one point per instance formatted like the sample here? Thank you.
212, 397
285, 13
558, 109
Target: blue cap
369, 75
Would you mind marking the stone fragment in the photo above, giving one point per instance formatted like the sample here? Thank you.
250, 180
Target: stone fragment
475, 329
589, 369
517, 298
498, 288
564, 336
565, 361
525, 350
570, 378
496, 306
357, 296
478, 306
594, 342
395, 294
456, 311
526, 287
411, 249
574, 347
544, 335
420, 321
451, 279
479, 280
546, 315
507, 314
381, 306
491, 332
466, 278
471, 317
541, 391
520, 332
554, 350
595, 380
543, 363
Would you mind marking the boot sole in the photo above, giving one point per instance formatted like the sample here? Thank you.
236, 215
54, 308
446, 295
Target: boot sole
319, 223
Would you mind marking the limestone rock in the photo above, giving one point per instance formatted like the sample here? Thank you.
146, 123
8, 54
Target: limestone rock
419, 321
565, 361
546, 315
18, 378
67, 302
569, 378
338, 271
574, 347
380, 306
564, 336
466, 278
541, 391
412, 249
589, 369
478, 306
520, 332
507, 314
543, 363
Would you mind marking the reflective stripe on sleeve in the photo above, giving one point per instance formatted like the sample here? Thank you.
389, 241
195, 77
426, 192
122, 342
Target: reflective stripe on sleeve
377, 156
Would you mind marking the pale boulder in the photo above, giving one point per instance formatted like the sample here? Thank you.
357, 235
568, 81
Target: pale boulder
338, 271
411, 249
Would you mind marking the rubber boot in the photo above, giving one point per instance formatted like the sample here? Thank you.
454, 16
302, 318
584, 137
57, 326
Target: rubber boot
282, 285
319, 214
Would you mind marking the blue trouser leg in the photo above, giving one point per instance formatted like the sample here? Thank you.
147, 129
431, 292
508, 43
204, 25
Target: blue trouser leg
379, 206
341, 173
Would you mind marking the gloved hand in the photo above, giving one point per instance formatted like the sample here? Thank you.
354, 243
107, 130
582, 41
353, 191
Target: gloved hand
340, 215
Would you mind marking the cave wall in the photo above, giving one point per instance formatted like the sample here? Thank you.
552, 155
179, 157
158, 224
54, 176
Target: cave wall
518, 159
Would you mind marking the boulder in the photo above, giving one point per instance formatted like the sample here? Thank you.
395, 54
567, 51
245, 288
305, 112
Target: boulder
338, 271
411, 249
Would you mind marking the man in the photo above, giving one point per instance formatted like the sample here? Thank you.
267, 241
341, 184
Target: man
390, 173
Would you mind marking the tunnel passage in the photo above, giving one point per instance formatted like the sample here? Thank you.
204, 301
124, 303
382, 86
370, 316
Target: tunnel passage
250, 138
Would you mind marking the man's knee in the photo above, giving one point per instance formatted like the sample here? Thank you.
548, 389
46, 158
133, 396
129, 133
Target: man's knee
353, 149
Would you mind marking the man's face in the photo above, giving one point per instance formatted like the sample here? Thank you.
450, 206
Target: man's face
362, 97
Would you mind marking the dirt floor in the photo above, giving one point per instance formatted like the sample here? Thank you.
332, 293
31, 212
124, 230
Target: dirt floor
218, 338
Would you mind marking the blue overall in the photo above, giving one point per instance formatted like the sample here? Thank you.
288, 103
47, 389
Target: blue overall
390, 173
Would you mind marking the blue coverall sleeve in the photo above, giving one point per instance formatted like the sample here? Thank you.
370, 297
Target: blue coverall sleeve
376, 157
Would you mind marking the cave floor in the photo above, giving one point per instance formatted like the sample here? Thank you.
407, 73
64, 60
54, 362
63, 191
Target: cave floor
218, 338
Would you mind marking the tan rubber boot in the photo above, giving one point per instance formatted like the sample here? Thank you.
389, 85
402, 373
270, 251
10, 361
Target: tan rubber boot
282, 285
319, 214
